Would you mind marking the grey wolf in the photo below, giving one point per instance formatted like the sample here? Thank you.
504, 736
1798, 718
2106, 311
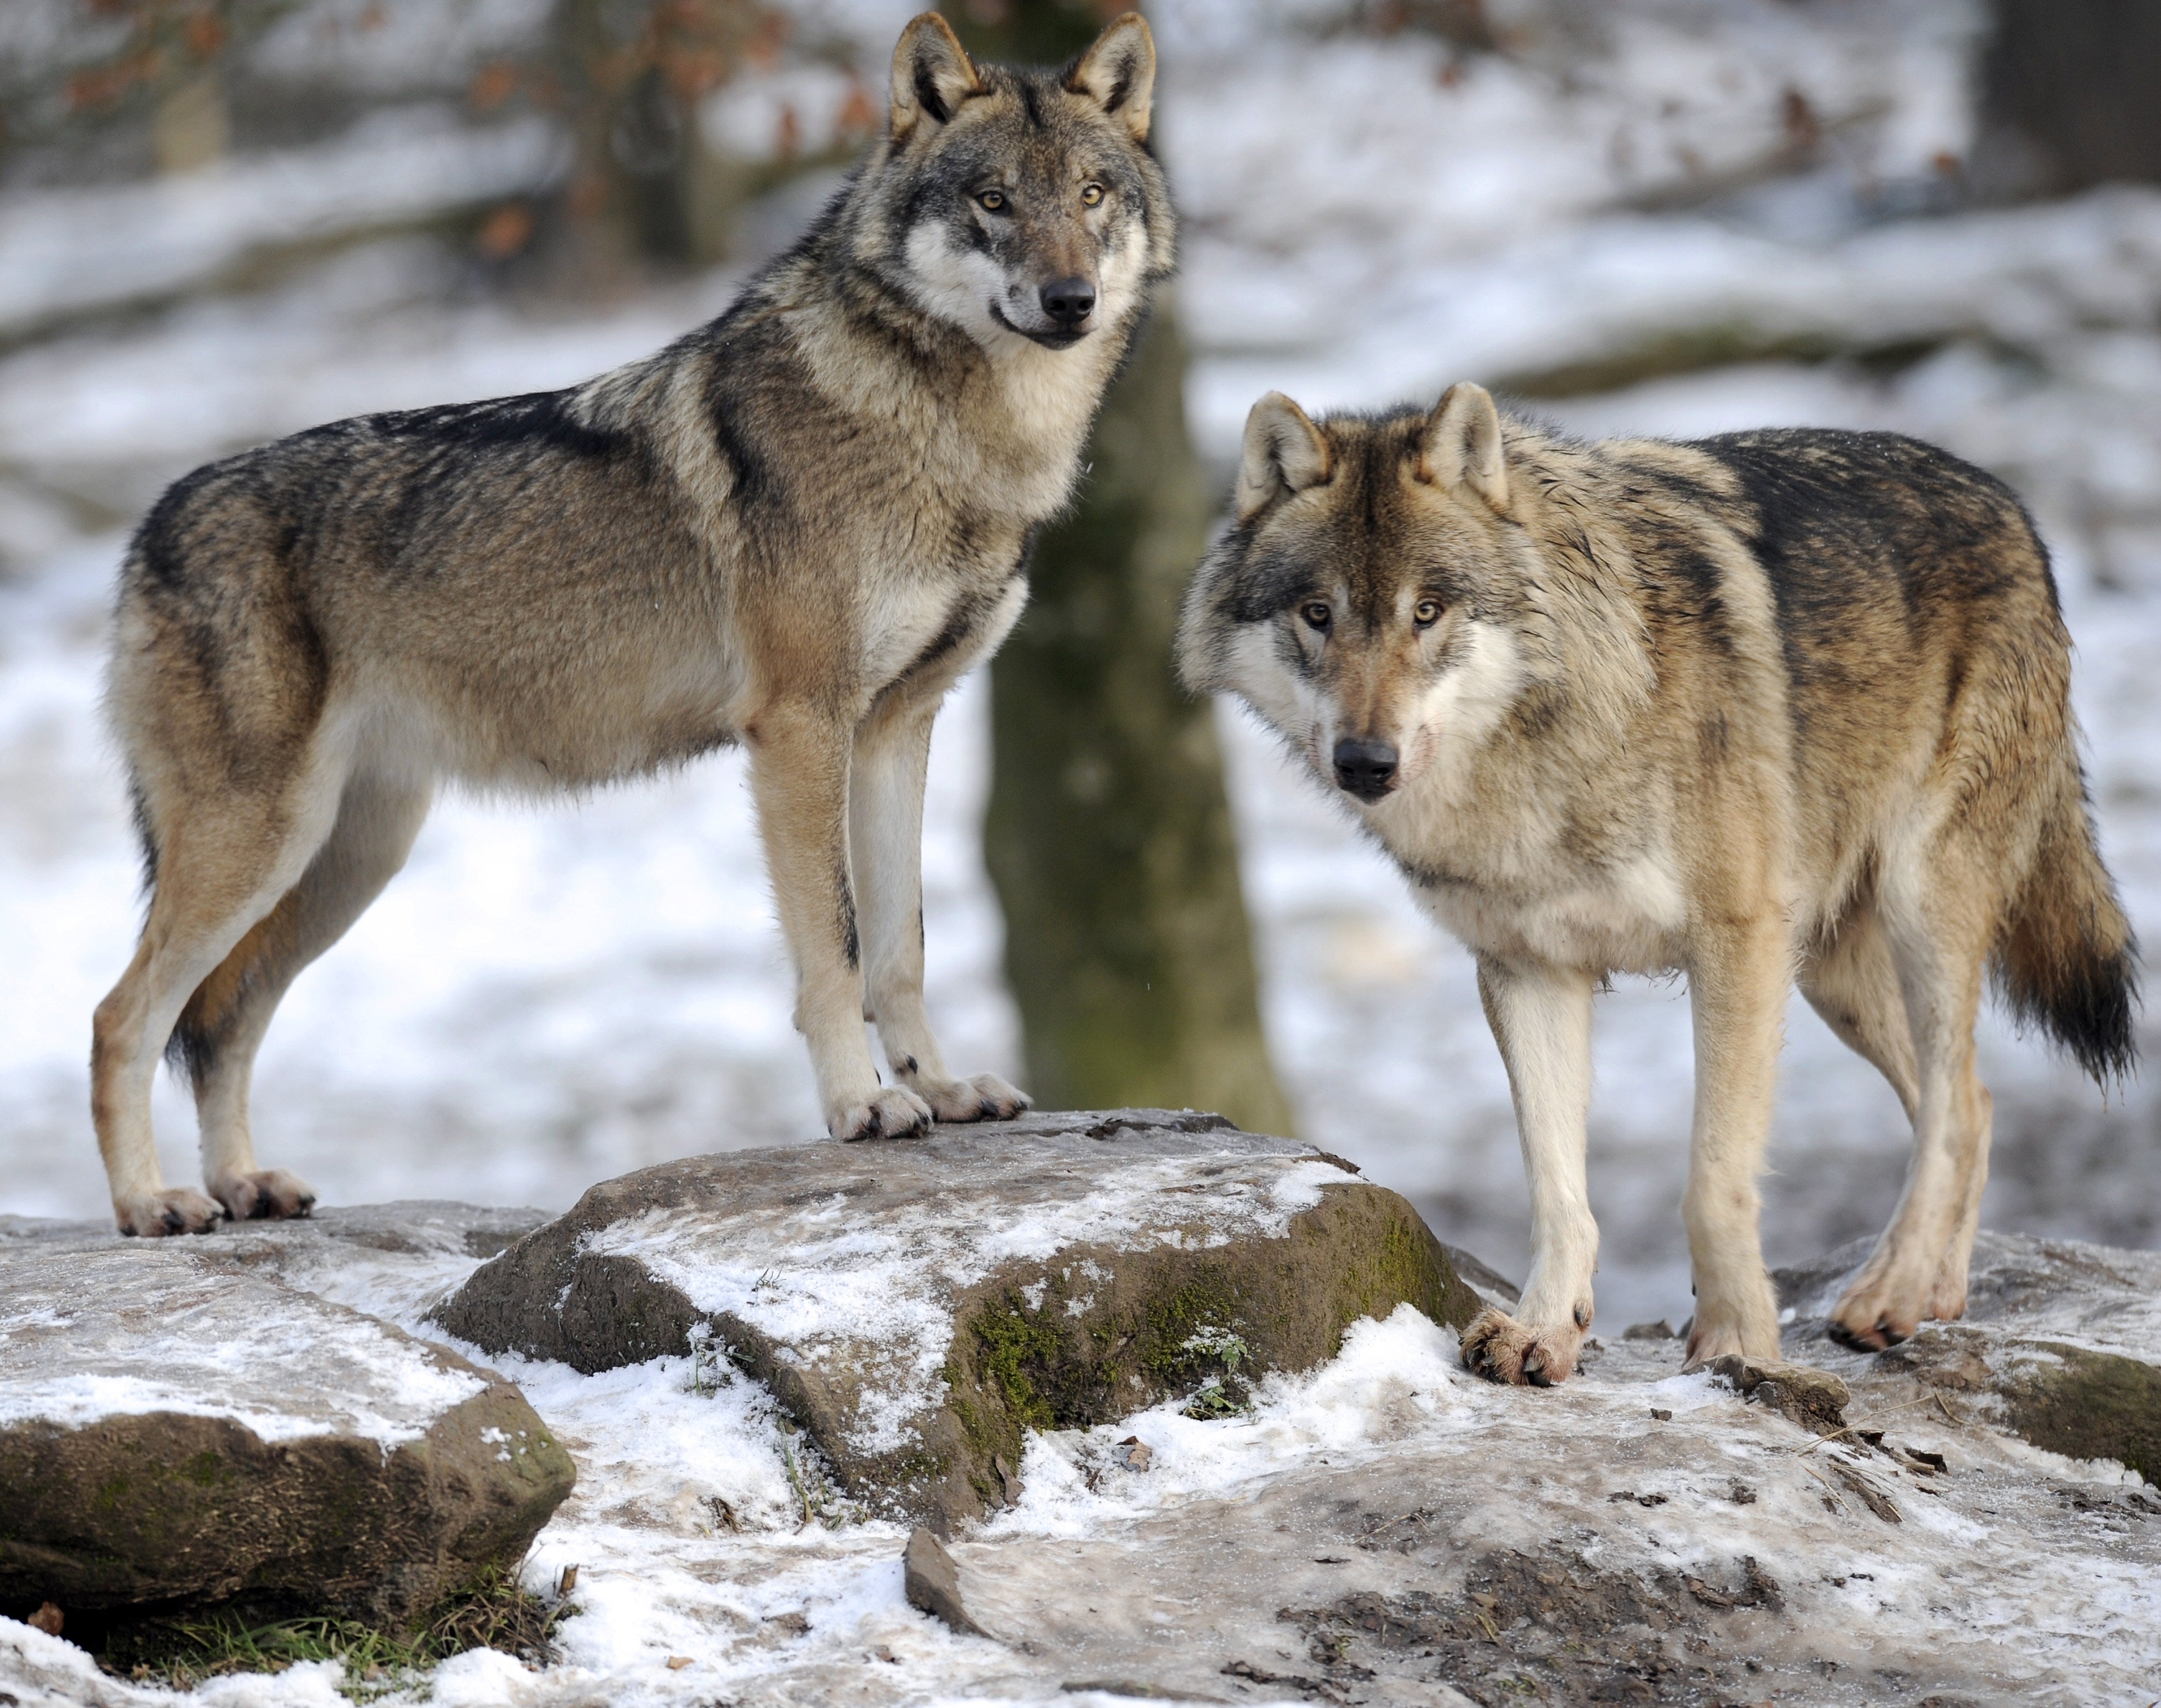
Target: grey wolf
1773, 707
792, 529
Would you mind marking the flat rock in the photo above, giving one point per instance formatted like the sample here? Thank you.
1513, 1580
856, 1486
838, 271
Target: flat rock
2060, 1344
918, 1305
178, 1427
1816, 1399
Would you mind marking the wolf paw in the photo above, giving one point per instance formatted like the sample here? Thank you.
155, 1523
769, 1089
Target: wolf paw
271, 1194
1709, 1340
1885, 1304
179, 1209
891, 1112
1872, 1318
1501, 1349
982, 1098
1738, 1318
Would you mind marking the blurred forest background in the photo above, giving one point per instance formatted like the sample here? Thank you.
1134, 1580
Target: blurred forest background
224, 220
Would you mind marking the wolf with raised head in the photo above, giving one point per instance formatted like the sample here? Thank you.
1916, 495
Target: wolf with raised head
795, 528
1775, 705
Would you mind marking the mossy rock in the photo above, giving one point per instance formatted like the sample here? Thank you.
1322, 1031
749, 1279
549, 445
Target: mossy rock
178, 1430
1113, 1332
2084, 1405
918, 1305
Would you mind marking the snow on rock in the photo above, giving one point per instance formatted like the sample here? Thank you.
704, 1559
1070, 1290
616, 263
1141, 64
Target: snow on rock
917, 1304
175, 1424
1380, 1529
1389, 1529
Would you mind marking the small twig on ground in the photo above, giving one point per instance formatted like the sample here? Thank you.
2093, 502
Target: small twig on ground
1867, 1422
795, 1482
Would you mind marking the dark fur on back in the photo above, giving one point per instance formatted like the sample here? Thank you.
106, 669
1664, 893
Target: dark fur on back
1848, 523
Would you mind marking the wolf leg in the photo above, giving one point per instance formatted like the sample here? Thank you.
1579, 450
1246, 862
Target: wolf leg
1738, 978
1918, 1267
224, 859
222, 1026
1854, 985
799, 765
885, 812
1541, 1017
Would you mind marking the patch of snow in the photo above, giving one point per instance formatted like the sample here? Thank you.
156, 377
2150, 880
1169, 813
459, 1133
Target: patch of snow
285, 1374
72, 250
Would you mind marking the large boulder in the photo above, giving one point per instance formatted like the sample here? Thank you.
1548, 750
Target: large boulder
918, 1305
180, 1428
2060, 1344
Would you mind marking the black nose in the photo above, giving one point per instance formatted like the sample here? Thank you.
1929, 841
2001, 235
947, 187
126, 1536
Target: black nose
1366, 768
1068, 301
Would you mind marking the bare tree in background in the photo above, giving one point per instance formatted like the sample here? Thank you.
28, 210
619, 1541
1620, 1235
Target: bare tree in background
129, 60
1109, 835
632, 73
2073, 94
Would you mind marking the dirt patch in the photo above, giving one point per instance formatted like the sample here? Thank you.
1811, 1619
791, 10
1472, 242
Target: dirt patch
1546, 1626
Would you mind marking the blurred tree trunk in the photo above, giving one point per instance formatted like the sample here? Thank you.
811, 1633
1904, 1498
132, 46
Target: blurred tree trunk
630, 145
644, 187
2073, 93
1109, 835
190, 127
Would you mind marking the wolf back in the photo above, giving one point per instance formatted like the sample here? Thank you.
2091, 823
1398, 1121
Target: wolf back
793, 528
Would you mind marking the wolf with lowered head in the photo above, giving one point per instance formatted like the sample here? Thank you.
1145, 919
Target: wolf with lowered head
1773, 707
794, 528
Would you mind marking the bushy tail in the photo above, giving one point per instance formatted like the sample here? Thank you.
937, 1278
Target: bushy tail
2067, 961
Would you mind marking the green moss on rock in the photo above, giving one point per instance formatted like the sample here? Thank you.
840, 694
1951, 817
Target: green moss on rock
2086, 1404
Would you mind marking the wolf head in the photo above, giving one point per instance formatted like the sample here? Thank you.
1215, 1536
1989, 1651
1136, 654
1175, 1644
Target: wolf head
1018, 205
1375, 600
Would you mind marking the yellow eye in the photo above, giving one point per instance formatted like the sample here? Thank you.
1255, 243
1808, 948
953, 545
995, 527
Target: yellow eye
1426, 612
991, 201
1091, 195
1315, 613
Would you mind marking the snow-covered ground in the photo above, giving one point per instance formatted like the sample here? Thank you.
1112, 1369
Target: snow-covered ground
2012, 1575
550, 996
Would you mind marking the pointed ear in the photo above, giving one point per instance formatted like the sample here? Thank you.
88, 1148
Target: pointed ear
932, 75
1462, 444
1284, 453
1118, 73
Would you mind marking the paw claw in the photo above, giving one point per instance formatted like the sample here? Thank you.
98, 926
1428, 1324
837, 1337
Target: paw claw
892, 1112
1501, 1349
274, 1195
161, 1215
1880, 1337
981, 1097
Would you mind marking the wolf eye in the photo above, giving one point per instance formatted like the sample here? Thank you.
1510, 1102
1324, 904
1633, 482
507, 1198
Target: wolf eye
1315, 614
1426, 612
1091, 195
991, 201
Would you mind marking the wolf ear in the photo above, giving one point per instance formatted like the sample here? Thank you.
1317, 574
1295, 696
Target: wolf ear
932, 75
1284, 453
1461, 446
1117, 73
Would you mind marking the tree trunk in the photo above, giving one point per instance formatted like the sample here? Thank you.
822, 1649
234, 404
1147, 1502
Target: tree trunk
1109, 835
2073, 94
